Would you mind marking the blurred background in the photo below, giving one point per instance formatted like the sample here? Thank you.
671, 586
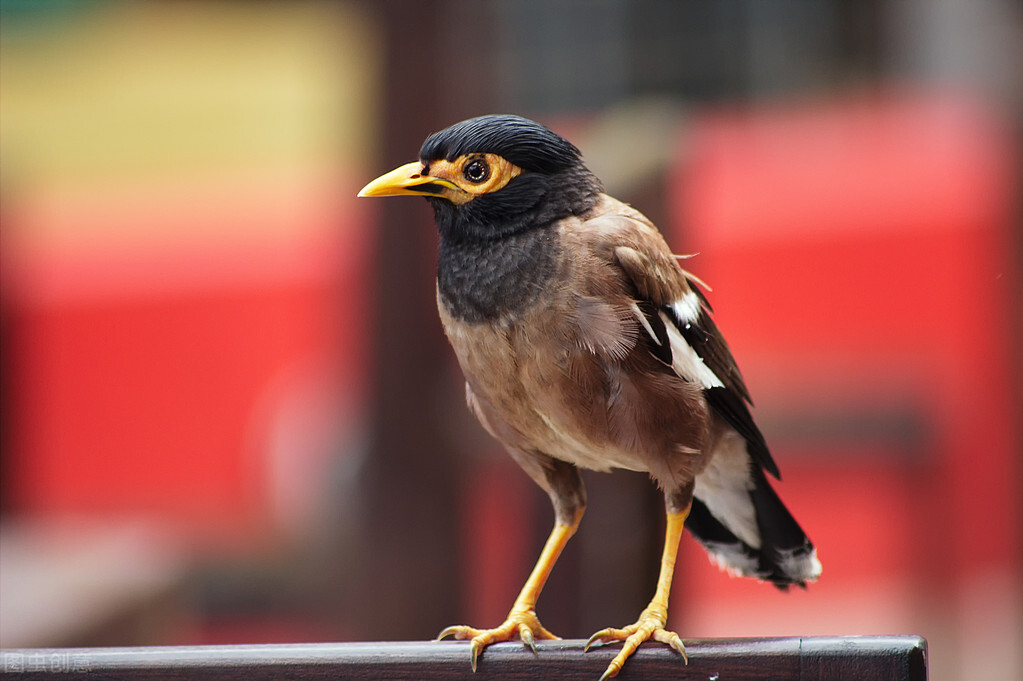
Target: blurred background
227, 409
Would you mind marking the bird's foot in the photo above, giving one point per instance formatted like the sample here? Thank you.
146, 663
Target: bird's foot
650, 625
522, 622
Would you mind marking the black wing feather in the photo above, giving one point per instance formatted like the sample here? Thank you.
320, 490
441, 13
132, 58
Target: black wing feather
731, 401
731, 407
657, 283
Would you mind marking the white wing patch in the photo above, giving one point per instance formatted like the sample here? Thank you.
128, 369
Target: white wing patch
684, 359
688, 307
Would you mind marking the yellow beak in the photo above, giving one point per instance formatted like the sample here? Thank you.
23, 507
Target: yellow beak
408, 179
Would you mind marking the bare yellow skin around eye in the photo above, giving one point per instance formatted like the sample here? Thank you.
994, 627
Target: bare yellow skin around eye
502, 172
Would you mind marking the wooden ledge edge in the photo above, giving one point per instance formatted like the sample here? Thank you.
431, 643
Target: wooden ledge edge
902, 658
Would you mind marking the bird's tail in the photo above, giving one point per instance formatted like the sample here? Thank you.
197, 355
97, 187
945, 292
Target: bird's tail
738, 517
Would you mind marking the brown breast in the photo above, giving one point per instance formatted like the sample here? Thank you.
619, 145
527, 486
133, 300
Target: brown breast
571, 375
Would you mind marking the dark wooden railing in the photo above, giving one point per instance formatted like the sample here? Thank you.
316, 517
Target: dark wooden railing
852, 658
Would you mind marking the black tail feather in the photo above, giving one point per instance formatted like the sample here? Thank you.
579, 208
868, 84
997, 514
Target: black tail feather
785, 556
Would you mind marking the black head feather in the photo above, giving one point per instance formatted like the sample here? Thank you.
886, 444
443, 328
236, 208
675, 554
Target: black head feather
498, 249
525, 143
554, 183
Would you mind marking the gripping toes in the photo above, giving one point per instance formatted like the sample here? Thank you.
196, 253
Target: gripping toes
521, 624
647, 628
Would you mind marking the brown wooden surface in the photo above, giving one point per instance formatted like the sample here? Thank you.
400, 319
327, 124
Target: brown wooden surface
851, 658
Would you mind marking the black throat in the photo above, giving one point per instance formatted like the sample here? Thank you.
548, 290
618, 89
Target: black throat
499, 251
482, 281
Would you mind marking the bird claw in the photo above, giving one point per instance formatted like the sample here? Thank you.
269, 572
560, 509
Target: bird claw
526, 634
650, 625
522, 623
459, 632
602, 636
474, 653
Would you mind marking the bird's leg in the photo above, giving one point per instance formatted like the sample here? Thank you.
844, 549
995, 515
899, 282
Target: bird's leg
652, 621
522, 620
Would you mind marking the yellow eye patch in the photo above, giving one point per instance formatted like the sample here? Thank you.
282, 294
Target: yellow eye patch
473, 174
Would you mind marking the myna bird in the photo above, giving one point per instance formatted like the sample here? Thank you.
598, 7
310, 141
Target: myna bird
584, 344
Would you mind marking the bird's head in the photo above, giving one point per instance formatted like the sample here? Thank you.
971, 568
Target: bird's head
494, 175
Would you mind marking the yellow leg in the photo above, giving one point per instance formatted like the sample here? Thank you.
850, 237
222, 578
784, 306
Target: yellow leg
522, 620
654, 617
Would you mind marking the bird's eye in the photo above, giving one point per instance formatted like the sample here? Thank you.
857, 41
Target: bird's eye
476, 170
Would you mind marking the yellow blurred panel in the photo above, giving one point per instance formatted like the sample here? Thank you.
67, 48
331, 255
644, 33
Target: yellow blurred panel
178, 89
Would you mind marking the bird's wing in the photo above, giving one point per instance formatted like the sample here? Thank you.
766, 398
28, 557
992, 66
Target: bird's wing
677, 319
